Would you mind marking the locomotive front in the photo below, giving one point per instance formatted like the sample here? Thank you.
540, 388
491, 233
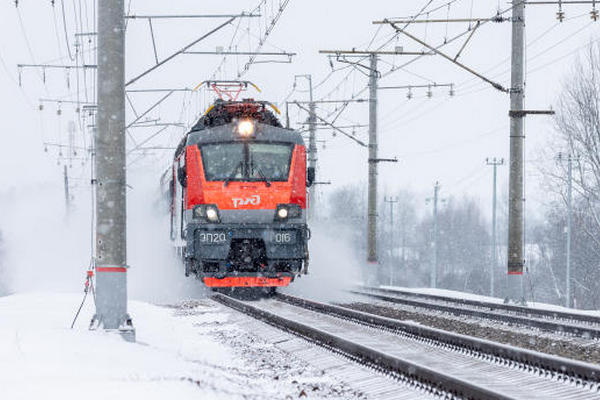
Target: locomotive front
243, 181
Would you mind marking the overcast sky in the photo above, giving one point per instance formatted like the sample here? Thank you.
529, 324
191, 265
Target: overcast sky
443, 138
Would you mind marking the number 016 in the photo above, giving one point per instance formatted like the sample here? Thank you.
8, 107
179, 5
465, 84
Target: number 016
283, 237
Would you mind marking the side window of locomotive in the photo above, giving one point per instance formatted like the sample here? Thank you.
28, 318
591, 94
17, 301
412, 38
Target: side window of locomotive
223, 161
271, 161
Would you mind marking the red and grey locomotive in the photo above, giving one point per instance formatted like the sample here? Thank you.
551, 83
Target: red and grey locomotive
238, 198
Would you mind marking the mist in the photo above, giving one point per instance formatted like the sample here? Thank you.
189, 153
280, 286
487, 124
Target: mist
45, 248
334, 265
156, 274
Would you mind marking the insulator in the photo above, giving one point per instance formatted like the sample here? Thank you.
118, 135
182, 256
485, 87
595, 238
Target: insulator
45, 149
560, 16
429, 92
409, 95
59, 112
41, 107
452, 92
594, 15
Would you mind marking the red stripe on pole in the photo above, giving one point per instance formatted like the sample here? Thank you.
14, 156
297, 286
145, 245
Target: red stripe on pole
111, 269
515, 272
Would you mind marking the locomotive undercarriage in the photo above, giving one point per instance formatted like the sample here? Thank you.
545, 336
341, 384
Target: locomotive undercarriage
272, 252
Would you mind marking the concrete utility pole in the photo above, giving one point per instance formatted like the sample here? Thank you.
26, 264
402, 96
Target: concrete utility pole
516, 198
392, 201
569, 211
372, 197
569, 160
434, 264
66, 179
111, 240
494, 163
374, 76
312, 143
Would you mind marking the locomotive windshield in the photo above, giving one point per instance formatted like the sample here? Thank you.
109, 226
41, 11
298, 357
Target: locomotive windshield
246, 161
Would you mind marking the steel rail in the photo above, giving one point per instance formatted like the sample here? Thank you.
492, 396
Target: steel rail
525, 321
378, 360
558, 367
508, 307
392, 296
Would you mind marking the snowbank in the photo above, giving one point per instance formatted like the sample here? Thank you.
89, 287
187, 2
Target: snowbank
175, 357
469, 296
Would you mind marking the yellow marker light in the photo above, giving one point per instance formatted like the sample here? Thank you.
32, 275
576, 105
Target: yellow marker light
245, 128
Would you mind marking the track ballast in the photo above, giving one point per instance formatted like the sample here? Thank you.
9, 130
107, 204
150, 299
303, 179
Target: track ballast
439, 362
571, 324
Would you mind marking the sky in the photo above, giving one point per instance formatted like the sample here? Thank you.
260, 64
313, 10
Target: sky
443, 138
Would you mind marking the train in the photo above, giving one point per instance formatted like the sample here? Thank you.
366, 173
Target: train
237, 196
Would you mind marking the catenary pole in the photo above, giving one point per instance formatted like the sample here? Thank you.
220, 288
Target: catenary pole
374, 76
515, 193
111, 243
569, 211
494, 262
434, 269
66, 183
312, 139
372, 197
312, 146
391, 201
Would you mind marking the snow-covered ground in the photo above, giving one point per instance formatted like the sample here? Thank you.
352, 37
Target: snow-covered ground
178, 355
469, 296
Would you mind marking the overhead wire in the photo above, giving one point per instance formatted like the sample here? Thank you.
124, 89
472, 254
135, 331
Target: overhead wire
475, 84
64, 18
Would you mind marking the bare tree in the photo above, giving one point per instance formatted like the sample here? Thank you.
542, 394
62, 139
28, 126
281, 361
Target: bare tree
463, 246
578, 125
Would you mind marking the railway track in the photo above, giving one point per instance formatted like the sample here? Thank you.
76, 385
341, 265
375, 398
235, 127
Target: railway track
586, 326
438, 362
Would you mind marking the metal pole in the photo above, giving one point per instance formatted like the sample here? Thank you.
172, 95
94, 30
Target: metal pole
66, 179
111, 245
392, 239
372, 197
493, 266
312, 147
515, 193
436, 190
569, 210
494, 262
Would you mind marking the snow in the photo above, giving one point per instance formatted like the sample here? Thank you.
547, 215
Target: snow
470, 296
176, 354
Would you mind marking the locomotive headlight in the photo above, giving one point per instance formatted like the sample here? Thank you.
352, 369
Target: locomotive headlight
206, 212
285, 212
212, 214
245, 128
282, 213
